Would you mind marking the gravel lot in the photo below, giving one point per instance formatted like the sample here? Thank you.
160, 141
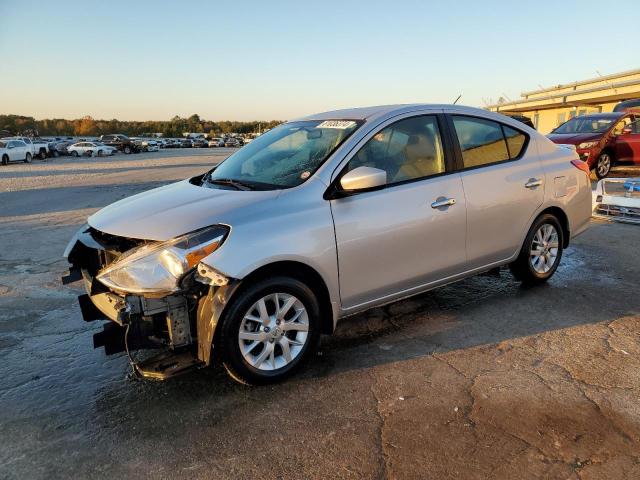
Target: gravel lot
481, 379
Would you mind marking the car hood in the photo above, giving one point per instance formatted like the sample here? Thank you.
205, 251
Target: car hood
175, 209
574, 138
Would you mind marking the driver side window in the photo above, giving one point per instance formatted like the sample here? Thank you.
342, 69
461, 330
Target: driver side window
407, 150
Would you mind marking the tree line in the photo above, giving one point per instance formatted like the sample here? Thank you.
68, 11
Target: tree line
87, 126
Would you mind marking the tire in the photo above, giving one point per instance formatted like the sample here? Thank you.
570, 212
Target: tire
533, 269
603, 165
100, 153
5, 160
27, 158
255, 365
43, 154
74, 153
89, 153
127, 149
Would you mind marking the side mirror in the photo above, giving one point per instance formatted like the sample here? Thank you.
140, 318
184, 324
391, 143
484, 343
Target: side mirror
363, 178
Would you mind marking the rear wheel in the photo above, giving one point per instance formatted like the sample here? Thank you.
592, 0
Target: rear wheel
541, 252
269, 330
27, 158
603, 165
127, 149
43, 154
74, 153
89, 153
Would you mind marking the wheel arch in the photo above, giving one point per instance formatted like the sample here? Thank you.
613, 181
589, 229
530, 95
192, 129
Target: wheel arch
562, 218
213, 307
304, 273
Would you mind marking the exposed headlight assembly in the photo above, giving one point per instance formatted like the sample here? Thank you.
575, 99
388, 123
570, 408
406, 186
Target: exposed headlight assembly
157, 268
584, 145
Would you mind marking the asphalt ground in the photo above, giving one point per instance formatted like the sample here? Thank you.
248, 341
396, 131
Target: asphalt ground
479, 379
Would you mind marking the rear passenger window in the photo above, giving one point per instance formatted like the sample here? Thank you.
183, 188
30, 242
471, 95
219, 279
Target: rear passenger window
481, 141
515, 141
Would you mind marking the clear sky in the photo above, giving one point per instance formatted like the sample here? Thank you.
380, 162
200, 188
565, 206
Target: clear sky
245, 60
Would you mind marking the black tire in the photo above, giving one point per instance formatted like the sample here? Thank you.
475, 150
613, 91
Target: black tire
234, 362
43, 154
89, 153
74, 153
127, 149
603, 165
5, 160
27, 158
523, 267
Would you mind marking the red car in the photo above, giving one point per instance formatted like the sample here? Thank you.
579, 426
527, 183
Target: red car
603, 140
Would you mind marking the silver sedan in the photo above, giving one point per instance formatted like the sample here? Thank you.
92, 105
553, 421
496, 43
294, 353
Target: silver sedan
322, 217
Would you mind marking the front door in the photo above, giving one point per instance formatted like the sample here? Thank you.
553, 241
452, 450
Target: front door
628, 144
409, 234
503, 183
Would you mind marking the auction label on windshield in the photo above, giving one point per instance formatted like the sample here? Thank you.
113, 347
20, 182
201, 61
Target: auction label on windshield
339, 124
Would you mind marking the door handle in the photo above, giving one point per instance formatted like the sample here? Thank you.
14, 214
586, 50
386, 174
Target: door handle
443, 202
533, 183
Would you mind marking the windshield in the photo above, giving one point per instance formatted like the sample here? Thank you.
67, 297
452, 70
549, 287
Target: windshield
285, 156
585, 125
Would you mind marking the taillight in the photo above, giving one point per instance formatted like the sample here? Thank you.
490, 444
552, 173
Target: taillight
579, 164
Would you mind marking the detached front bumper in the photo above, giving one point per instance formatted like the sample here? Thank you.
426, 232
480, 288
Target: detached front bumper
181, 325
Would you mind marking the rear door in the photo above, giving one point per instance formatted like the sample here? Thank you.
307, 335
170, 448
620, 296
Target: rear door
397, 239
503, 183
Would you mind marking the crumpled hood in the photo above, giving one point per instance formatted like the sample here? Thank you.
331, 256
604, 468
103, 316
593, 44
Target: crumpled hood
574, 138
172, 210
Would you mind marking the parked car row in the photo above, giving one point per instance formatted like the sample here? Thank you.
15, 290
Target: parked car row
25, 149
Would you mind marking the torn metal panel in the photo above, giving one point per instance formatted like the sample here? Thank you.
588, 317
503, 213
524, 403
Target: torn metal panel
210, 310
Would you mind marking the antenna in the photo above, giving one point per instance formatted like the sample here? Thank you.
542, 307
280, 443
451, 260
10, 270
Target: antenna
456, 100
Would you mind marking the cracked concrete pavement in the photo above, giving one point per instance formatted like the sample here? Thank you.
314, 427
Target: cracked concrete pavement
480, 379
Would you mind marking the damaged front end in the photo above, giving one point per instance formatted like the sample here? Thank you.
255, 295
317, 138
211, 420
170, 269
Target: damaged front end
155, 295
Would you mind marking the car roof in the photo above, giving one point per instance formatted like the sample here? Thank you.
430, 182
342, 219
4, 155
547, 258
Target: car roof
381, 111
612, 115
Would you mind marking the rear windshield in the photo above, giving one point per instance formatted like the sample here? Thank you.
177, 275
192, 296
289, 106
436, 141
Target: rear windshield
585, 125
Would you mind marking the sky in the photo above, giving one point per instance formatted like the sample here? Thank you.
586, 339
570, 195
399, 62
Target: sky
262, 60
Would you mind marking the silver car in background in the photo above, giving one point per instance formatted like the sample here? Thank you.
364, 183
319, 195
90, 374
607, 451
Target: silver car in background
318, 219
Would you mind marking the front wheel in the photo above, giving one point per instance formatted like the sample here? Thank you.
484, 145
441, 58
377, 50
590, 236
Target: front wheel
27, 158
269, 330
603, 165
5, 160
127, 150
74, 153
541, 252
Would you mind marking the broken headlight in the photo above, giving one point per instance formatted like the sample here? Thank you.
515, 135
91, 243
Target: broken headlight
158, 267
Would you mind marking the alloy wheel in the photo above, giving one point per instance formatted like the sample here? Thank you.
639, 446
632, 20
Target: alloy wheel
604, 164
544, 248
274, 331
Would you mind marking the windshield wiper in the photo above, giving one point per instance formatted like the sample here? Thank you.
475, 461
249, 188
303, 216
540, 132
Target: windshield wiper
237, 184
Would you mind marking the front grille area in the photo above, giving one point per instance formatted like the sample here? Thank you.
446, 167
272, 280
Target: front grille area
95, 249
629, 214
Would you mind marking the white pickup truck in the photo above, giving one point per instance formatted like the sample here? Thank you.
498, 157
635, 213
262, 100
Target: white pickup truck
38, 148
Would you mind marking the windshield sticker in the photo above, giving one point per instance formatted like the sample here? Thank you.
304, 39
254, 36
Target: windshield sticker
305, 175
339, 124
